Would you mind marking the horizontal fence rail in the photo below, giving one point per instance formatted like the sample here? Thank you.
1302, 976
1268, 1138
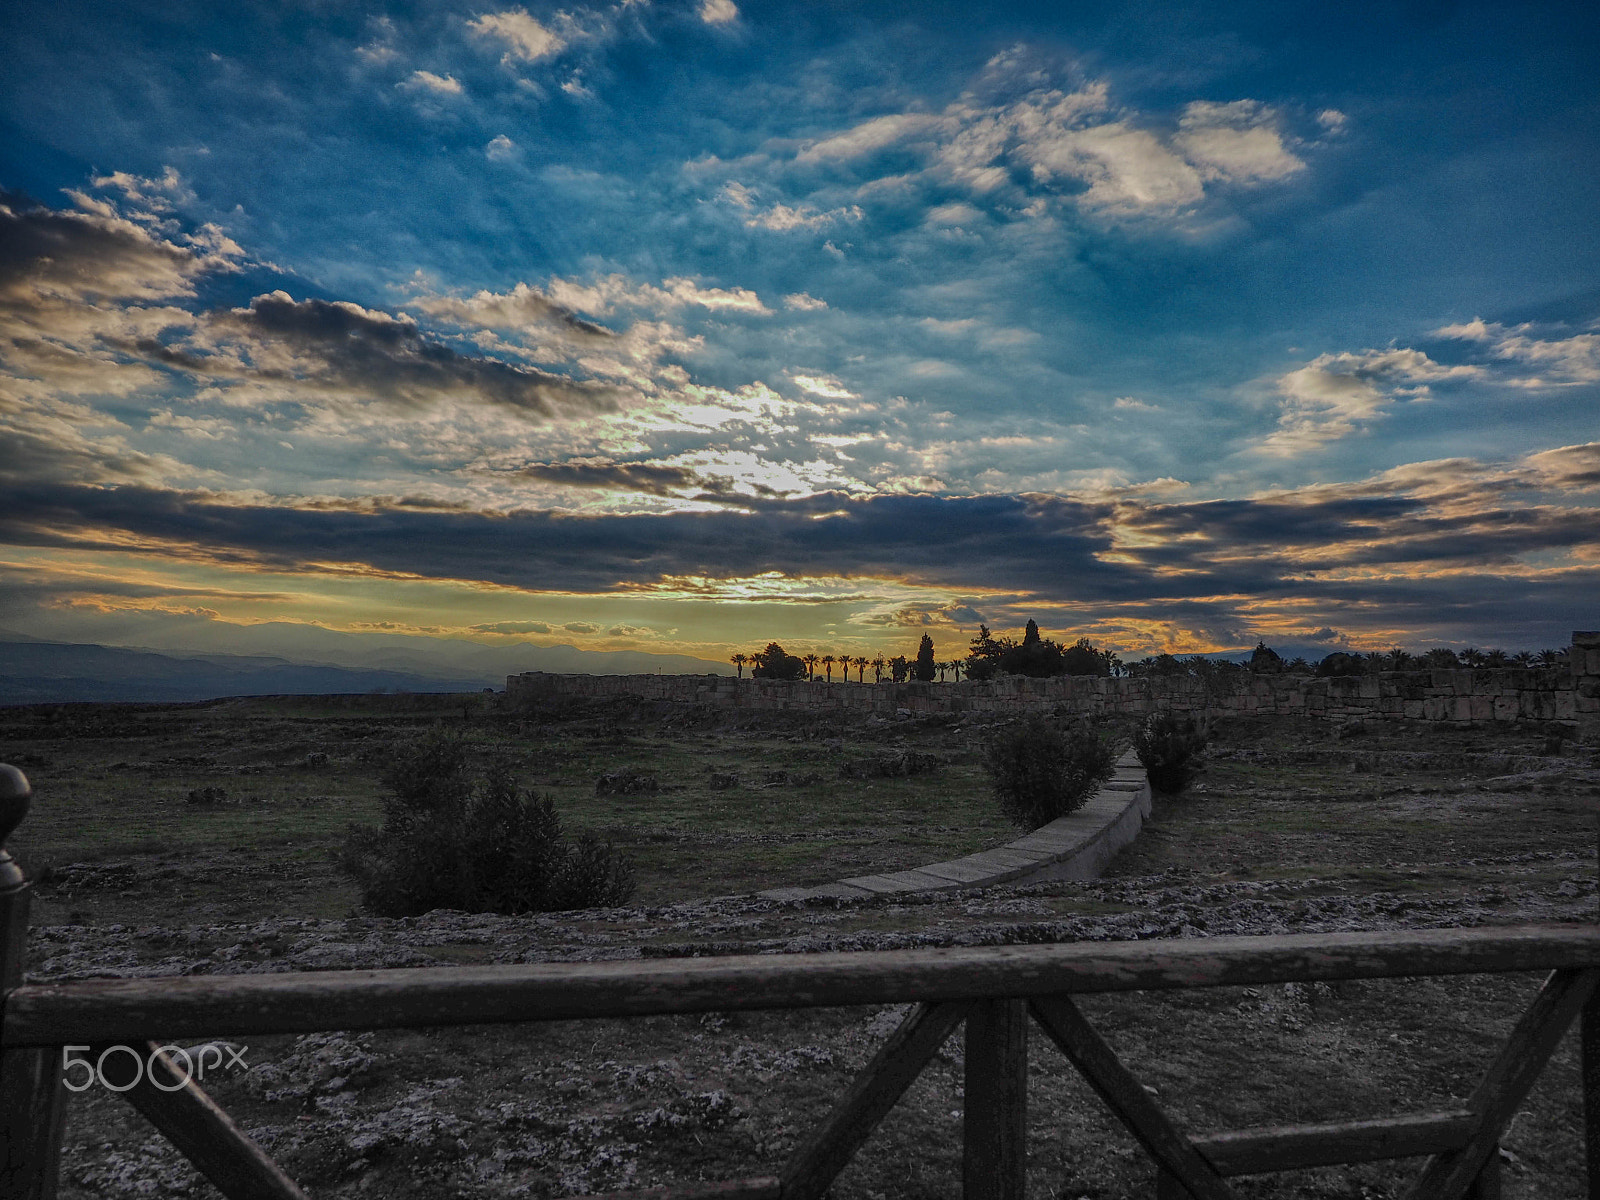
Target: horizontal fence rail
47, 1014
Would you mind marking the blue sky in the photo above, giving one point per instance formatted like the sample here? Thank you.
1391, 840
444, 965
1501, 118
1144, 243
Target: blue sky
677, 327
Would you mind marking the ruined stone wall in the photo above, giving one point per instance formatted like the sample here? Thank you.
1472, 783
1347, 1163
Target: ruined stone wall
1570, 697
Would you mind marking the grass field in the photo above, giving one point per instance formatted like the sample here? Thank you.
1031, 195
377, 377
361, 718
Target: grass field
1289, 828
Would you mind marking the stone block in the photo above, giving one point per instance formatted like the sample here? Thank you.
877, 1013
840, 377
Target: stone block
1506, 708
1482, 708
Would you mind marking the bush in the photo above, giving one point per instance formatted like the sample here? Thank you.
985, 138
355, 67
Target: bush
1169, 747
450, 841
1041, 771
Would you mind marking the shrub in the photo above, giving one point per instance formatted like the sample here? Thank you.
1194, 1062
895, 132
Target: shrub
481, 845
1041, 771
1168, 747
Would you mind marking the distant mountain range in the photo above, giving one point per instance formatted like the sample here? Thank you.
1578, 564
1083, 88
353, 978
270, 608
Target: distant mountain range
34, 671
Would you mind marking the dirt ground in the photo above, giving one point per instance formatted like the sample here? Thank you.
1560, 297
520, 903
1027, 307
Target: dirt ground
1292, 827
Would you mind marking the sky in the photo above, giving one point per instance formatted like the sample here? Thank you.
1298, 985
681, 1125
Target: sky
684, 327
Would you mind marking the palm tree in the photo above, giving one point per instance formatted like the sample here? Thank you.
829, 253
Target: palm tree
943, 667
1470, 657
1398, 659
955, 670
1496, 658
1550, 658
860, 662
739, 660
827, 665
878, 664
1523, 658
810, 661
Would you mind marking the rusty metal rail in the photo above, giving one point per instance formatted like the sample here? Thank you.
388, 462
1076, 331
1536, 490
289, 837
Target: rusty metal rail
996, 992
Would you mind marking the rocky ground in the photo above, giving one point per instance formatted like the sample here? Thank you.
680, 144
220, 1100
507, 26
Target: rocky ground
1290, 830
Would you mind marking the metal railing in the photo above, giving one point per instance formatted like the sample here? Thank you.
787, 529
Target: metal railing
995, 991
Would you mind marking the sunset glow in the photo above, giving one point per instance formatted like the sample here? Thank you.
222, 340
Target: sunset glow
681, 328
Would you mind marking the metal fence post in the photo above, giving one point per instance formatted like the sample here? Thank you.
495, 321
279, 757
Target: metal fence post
995, 1159
31, 1093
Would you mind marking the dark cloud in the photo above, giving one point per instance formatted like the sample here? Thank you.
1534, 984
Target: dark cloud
343, 347
631, 477
49, 255
647, 478
1236, 561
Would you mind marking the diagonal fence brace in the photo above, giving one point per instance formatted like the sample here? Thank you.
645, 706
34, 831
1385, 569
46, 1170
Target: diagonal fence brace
191, 1120
869, 1098
1507, 1082
1098, 1062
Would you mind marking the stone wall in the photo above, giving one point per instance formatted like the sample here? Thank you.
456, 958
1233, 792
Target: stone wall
1569, 697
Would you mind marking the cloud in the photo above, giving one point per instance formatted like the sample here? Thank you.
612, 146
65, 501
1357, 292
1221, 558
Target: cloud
1536, 361
49, 257
158, 194
1076, 146
1424, 547
922, 615
1237, 142
1327, 636
718, 12
877, 134
1333, 121
512, 627
1337, 395
825, 386
523, 37
802, 302
427, 81
605, 294
341, 349
783, 217
500, 149
649, 478
524, 308
581, 627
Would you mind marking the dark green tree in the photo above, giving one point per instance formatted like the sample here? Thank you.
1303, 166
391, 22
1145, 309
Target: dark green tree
449, 840
1082, 658
925, 668
775, 663
1040, 771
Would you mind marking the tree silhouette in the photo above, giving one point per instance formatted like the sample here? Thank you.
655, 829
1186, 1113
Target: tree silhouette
827, 665
925, 668
810, 661
878, 664
739, 660
860, 662
1550, 658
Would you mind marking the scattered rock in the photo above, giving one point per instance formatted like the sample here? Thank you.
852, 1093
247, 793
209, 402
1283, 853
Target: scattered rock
629, 781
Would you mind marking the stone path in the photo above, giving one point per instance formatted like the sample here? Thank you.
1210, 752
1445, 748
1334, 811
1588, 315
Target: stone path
1077, 846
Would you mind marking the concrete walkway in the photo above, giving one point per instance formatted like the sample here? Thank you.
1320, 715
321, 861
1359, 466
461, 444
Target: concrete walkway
1076, 846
